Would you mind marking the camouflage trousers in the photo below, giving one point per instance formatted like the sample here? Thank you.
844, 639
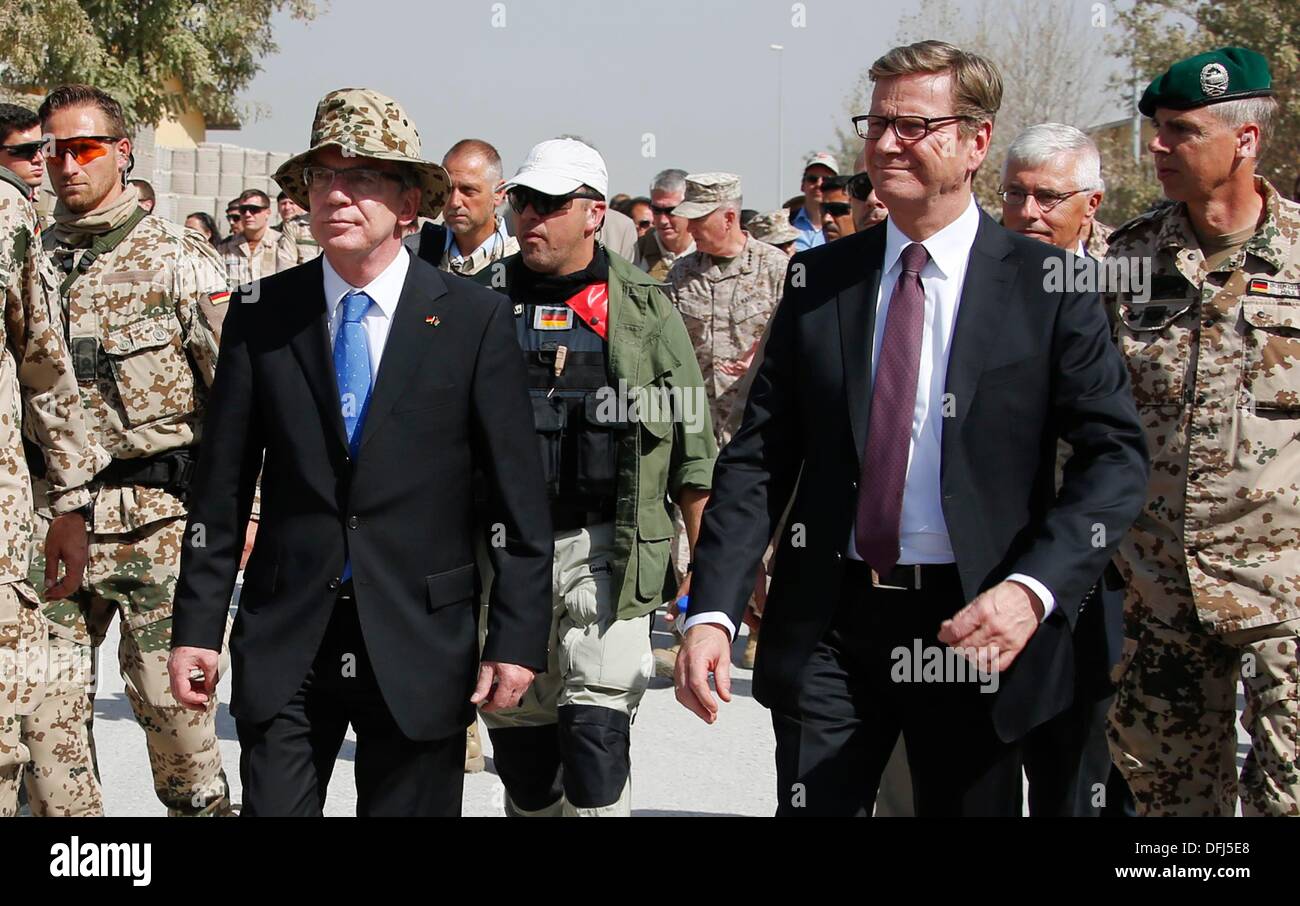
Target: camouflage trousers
44, 714
134, 575
1171, 729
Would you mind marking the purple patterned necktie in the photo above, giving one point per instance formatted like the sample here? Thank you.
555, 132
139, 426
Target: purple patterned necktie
889, 432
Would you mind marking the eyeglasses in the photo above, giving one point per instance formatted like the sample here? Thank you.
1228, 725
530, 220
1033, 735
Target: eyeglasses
23, 151
644, 224
860, 187
232, 217
358, 180
906, 128
836, 208
522, 197
83, 148
1044, 199
815, 180
663, 210
251, 209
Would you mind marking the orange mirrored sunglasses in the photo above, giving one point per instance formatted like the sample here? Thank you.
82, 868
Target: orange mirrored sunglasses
83, 148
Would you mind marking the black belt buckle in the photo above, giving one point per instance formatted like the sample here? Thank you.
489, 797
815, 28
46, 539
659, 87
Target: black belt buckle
85, 359
878, 582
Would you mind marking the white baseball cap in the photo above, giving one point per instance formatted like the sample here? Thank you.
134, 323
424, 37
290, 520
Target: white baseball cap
559, 166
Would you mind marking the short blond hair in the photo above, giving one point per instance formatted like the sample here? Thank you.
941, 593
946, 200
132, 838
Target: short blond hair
976, 83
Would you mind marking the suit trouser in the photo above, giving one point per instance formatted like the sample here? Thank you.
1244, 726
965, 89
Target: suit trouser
855, 698
1067, 761
285, 763
566, 749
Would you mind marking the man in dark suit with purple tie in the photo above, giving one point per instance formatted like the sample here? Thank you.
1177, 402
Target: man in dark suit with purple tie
916, 378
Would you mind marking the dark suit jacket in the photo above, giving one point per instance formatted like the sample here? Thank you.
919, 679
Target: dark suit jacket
450, 399
1025, 366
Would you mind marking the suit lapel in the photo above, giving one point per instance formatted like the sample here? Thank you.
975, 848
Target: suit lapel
857, 315
311, 345
410, 339
989, 276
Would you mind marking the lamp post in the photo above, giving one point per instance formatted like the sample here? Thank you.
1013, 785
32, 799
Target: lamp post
780, 164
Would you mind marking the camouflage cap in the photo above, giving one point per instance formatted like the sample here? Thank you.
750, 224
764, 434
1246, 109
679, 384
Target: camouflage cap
364, 123
1220, 75
773, 228
705, 192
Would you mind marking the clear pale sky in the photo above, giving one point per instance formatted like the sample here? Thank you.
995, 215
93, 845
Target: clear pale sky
696, 75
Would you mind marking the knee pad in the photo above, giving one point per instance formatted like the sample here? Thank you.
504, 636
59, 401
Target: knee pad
527, 760
595, 745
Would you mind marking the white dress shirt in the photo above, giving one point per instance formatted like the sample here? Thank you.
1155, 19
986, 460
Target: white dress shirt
385, 290
923, 532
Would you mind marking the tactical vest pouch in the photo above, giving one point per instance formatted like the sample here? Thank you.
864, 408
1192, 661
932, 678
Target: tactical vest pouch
153, 376
85, 359
549, 420
597, 447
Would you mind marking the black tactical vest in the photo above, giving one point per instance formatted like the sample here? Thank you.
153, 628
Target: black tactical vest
576, 411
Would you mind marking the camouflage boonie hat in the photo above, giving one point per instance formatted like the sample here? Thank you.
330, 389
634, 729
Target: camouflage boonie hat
364, 123
705, 192
773, 228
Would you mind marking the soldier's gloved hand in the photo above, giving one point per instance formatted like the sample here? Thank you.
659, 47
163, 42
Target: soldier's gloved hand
501, 685
65, 543
193, 675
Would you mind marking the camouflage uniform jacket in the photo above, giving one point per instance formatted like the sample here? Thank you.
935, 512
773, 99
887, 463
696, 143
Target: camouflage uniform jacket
304, 243
1098, 240
276, 252
37, 388
726, 304
1214, 359
654, 260
145, 355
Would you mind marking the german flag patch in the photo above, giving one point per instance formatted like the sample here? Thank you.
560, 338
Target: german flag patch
1260, 286
220, 298
552, 317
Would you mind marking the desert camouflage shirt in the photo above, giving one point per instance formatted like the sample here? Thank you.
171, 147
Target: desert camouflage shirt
144, 354
726, 303
35, 369
1214, 358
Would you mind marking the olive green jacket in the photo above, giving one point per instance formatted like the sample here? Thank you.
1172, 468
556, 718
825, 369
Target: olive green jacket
671, 446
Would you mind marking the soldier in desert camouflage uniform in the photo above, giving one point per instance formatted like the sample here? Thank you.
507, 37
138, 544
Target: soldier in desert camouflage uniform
1213, 562
43, 704
131, 297
726, 292
296, 224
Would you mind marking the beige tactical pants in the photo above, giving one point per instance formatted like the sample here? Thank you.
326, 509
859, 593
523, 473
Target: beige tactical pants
1171, 728
593, 658
44, 714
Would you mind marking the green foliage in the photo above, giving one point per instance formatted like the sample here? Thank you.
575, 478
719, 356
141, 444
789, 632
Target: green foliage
132, 48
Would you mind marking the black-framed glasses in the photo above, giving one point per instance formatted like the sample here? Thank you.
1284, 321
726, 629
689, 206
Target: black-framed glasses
860, 187
359, 180
836, 208
1044, 199
665, 209
23, 150
232, 217
521, 197
810, 180
252, 208
644, 224
906, 128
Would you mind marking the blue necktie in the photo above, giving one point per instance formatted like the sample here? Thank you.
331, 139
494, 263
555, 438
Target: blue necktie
352, 370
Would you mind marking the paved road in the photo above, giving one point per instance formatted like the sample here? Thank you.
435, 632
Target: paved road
676, 759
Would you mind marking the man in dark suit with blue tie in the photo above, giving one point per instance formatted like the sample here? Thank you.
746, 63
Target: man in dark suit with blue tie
915, 380
373, 394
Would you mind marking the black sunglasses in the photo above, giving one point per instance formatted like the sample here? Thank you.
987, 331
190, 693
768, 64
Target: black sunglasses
251, 208
25, 150
860, 187
521, 197
666, 210
836, 208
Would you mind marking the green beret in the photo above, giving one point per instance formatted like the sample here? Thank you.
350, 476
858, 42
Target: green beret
1225, 74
